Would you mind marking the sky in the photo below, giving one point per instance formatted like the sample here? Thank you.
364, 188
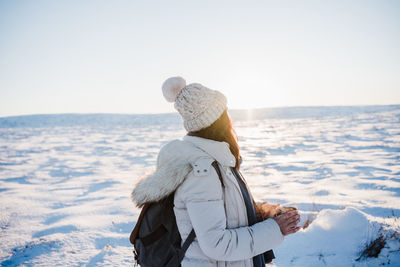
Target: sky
113, 56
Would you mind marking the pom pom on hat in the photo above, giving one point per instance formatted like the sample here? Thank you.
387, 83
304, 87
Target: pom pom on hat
172, 87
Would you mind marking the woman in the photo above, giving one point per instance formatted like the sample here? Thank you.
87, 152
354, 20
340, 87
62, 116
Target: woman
222, 213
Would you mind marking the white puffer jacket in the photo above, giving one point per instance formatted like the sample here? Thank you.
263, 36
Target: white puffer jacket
217, 214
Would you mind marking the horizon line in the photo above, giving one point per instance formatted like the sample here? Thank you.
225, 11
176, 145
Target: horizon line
163, 113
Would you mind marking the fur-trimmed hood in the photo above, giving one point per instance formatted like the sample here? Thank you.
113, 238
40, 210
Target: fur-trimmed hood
174, 163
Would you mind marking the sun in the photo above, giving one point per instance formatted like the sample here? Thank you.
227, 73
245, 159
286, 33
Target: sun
257, 94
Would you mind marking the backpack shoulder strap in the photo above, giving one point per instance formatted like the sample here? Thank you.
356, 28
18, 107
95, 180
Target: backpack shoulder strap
186, 244
218, 170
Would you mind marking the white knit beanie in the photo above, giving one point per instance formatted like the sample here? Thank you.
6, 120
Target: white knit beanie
199, 106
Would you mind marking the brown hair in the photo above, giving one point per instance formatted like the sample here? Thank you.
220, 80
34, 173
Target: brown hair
222, 130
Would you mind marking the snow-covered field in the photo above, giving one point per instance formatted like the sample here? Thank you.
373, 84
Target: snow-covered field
65, 182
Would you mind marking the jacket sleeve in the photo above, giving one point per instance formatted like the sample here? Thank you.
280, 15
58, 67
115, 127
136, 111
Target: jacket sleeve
205, 206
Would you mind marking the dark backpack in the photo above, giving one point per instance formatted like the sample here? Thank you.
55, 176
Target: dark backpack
156, 237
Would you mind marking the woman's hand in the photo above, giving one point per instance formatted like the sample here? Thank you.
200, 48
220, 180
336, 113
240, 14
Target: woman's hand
288, 222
